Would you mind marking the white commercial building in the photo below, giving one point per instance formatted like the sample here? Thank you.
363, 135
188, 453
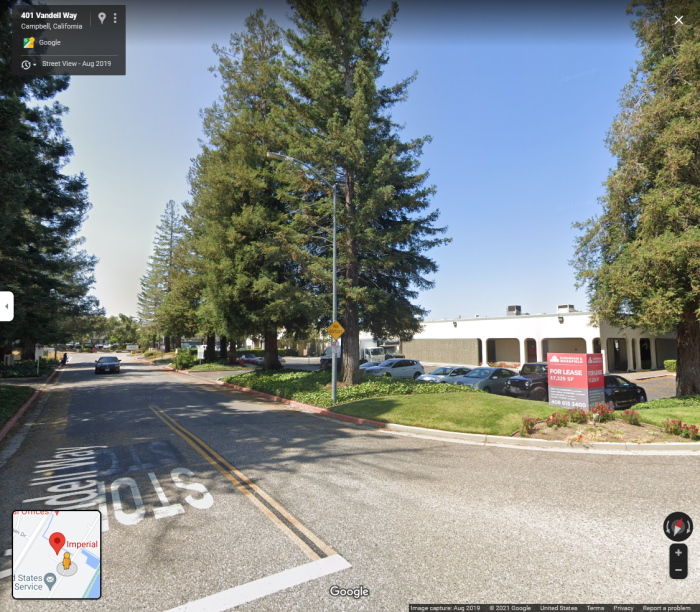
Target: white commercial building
525, 338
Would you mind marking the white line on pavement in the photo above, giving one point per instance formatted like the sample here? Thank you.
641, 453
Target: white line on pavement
266, 586
5, 573
8, 552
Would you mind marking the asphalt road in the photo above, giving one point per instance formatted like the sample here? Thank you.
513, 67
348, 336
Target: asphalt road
206, 490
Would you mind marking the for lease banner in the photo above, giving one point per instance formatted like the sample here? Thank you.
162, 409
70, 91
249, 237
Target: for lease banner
575, 379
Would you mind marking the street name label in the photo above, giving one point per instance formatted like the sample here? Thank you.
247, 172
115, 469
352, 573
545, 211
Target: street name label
56, 554
336, 330
68, 39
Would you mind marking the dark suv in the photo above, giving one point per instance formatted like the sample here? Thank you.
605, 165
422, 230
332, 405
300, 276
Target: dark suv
531, 383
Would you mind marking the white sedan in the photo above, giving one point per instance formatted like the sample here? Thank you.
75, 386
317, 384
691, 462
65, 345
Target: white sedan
397, 368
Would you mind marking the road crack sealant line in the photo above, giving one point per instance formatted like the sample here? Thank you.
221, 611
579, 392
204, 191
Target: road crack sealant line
624, 448
35, 396
307, 541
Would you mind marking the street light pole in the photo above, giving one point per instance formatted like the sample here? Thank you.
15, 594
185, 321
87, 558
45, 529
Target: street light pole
287, 158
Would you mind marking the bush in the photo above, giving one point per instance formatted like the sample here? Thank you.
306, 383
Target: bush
184, 360
314, 387
630, 416
153, 354
576, 415
604, 413
528, 425
557, 420
670, 365
672, 427
690, 431
26, 368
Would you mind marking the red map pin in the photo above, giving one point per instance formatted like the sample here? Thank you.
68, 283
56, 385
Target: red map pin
57, 540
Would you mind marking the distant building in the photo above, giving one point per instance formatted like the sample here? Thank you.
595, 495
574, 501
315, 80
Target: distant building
525, 338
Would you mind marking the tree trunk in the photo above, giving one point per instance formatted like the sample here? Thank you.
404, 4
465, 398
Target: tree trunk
177, 342
27, 351
166, 342
210, 353
223, 352
232, 354
272, 361
688, 366
351, 319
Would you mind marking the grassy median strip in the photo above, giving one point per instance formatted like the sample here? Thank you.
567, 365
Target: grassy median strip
686, 409
478, 413
314, 387
436, 406
214, 367
12, 398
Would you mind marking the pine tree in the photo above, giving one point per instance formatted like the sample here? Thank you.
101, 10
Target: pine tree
339, 122
41, 209
640, 259
158, 281
242, 230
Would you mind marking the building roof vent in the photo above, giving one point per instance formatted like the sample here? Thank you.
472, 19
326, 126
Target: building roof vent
513, 310
565, 308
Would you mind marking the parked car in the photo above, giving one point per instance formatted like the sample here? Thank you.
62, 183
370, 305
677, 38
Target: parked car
369, 364
621, 393
531, 383
397, 368
261, 361
248, 359
445, 374
491, 380
107, 364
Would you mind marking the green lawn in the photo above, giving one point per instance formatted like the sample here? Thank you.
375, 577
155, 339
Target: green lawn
479, 413
214, 367
11, 400
495, 414
436, 406
686, 409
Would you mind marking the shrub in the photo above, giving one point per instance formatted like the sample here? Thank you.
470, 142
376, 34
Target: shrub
184, 360
670, 365
153, 354
672, 426
576, 415
528, 425
630, 416
689, 431
557, 420
314, 387
604, 413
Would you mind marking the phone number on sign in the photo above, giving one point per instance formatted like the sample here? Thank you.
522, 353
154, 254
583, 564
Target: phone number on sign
568, 404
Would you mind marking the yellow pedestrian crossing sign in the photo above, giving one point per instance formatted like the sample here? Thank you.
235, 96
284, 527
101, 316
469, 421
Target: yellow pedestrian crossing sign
336, 330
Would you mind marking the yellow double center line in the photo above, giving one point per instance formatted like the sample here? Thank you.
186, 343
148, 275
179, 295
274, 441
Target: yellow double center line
310, 544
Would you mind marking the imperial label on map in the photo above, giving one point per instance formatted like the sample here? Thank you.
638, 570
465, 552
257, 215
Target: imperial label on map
56, 554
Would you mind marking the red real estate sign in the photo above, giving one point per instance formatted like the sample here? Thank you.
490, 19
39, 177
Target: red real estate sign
575, 379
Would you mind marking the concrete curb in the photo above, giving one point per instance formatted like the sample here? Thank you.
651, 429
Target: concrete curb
687, 447
18, 415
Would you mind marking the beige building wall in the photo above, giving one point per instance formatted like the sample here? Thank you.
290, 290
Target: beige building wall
507, 349
457, 350
566, 345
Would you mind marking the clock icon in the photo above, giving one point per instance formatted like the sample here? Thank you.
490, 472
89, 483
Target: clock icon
26, 64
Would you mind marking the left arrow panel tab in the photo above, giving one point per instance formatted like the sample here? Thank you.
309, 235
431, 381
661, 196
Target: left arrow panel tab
7, 306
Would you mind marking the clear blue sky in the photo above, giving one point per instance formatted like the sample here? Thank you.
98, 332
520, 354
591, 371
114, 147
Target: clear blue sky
518, 100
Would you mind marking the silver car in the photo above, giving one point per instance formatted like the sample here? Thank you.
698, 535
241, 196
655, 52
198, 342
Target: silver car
369, 364
261, 361
491, 380
397, 368
445, 374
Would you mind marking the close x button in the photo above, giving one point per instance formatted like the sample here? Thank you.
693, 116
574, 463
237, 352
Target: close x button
679, 561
